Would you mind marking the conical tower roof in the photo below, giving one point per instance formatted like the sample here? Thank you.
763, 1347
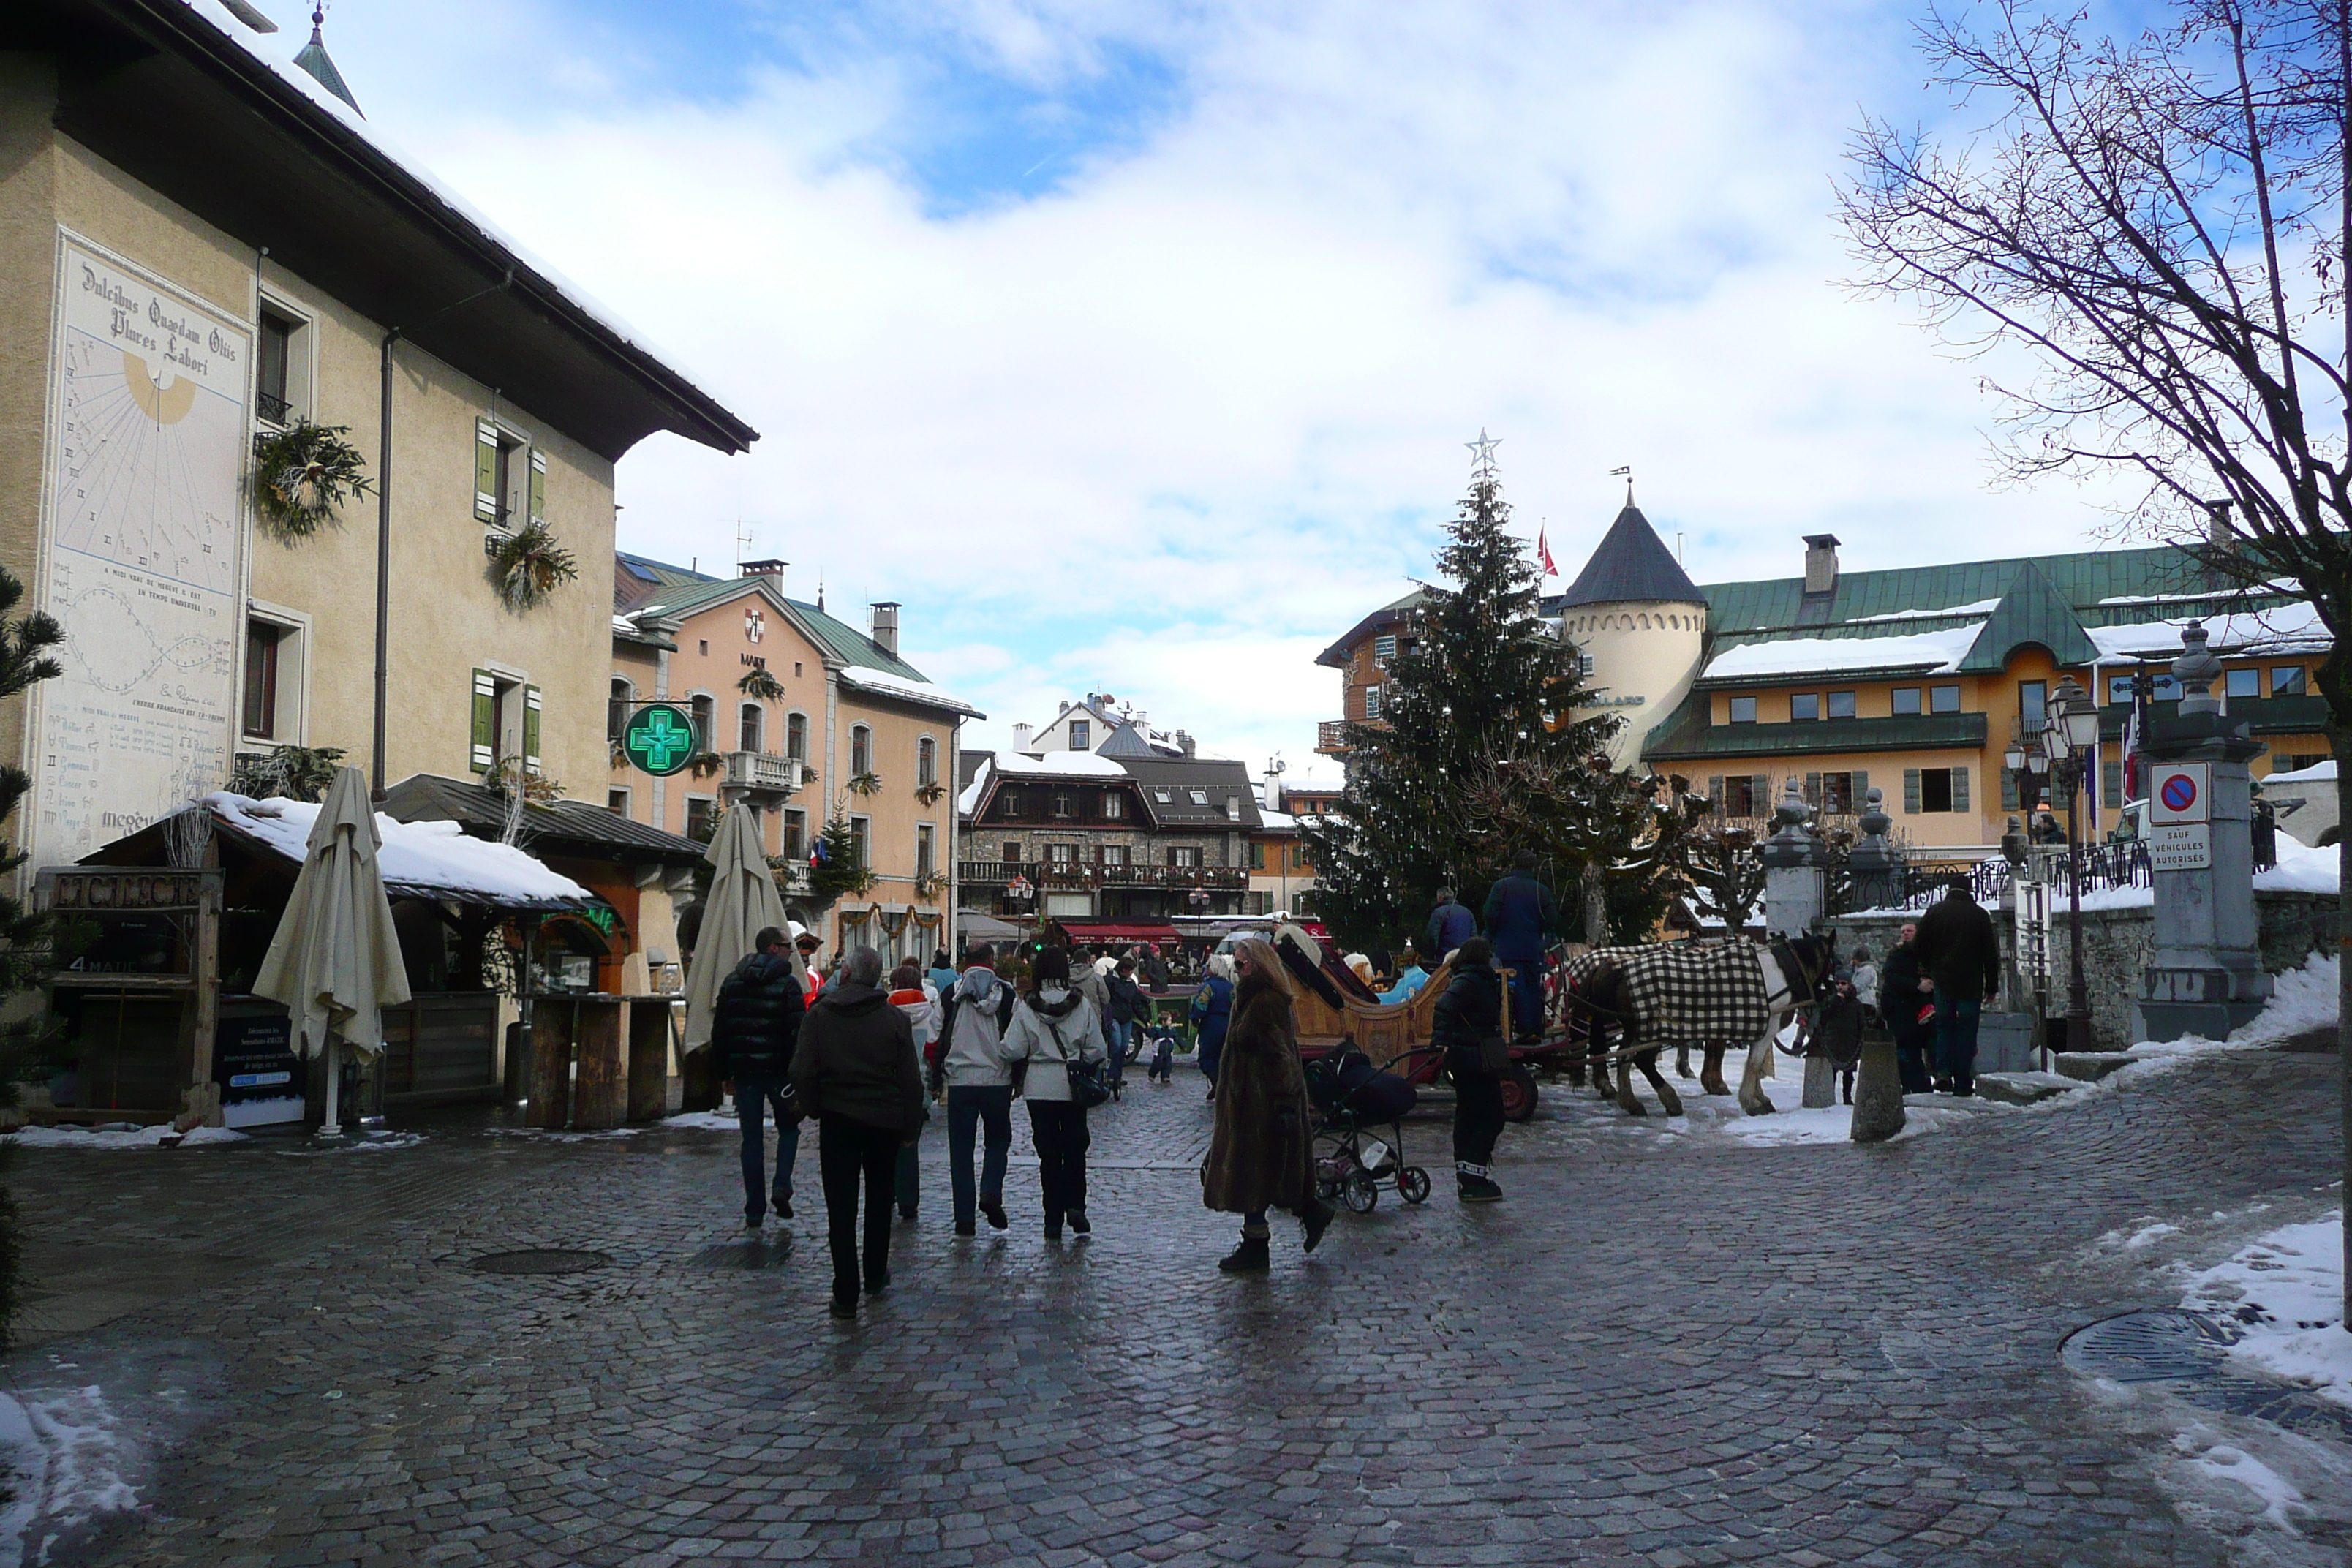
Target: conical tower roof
1632, 565
315, 59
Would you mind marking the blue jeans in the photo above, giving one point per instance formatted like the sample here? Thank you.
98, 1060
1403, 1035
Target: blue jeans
1116, 1031
1956, 1038
968, 1109
1526, 993
750, 1095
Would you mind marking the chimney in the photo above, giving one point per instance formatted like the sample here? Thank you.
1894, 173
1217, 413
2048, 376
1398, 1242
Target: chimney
1021, 737
884, 620
1184, 742
1821, 563
2218, 531
772, 569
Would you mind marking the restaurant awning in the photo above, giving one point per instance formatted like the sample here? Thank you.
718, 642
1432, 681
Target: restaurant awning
1120, 931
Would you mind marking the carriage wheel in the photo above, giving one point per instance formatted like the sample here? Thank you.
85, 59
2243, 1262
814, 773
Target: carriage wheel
1358, 1191
1518, 1093
1413, 1183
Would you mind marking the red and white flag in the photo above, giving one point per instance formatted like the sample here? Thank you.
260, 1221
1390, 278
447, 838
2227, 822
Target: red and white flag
1543, 554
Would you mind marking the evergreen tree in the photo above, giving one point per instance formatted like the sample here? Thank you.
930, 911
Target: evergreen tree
834, 868
1478, 680
25, 642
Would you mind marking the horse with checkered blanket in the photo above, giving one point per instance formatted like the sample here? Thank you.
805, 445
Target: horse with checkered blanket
1712, 995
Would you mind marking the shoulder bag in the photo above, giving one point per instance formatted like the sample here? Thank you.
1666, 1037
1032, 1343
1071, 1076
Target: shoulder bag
1087, 1088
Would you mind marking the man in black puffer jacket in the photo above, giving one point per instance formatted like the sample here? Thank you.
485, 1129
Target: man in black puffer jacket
753, 1026
1470, 1013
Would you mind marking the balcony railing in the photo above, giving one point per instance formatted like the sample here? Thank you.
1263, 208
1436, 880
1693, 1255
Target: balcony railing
763, 770
1082, 874
1331, 736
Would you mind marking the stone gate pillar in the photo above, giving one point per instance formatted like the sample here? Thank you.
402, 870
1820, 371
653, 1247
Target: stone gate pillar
1796, 895
2206, 976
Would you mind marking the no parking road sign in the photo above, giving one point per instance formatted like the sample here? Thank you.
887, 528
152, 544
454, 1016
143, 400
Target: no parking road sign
2180, 818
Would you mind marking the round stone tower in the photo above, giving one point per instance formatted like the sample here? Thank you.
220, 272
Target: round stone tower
1642, 623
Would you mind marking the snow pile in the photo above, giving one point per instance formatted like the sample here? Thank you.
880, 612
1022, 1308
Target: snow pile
62, 1467
2301, 1000
1717, 1119
1928, 652
2318, 773
2285, 1291
159, 1136
2300, 870
707, 1120
415, 854
2282, 1499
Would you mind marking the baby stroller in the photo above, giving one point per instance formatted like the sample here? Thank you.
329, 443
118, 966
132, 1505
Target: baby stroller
1353, 1097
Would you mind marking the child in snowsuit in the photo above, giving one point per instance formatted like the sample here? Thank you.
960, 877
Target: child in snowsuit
1837, 1031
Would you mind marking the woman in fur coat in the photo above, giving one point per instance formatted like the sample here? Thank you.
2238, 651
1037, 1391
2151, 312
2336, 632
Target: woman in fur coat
1262, 1154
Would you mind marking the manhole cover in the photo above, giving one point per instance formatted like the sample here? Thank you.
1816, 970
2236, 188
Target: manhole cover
2149, 1347
540, 1260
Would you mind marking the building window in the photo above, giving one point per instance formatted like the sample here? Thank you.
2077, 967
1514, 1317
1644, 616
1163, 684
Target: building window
796, 736
1905, 699
1062, 854
1163, 795
616, 801
700, 818
1739, 794
926, 762
266, 647
1256, 856
2286, 680
861, 842
2296, 761
1200, 796
1943, 700
1836, 794
1371, 703
1062, 804
706, 723
1841, 704
1184, 856
1743, 710
1804, 706
1383, 650
1113, 854
1012, 849
796, 835
861, 750
2032, 699
1081, 735
926, 850
702, 645
616, 713
1935, 790
2242, 682
748, 728
1584, 665
281, 368
1114, 806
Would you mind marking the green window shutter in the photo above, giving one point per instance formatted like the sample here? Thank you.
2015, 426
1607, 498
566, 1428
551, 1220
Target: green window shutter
486, 471
1759, 785
2111, 782
1911, 792
530, 728
2009, 798
538, 486
486, 721
1813, 791
1715, 794
1959, 789
1861, 792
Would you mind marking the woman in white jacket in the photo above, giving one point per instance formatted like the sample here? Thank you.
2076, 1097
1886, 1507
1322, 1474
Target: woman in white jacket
1052, 1025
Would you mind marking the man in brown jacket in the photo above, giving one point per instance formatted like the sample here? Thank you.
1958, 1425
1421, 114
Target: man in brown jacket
855, 1071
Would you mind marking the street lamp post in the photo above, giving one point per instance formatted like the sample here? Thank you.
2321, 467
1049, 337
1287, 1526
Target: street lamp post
2069, 734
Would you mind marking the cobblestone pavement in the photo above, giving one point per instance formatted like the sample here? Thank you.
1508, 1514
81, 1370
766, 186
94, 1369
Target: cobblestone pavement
1662, 1351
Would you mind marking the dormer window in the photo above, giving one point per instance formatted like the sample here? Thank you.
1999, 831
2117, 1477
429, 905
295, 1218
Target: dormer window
1164, 796
1200, 796
1081, 735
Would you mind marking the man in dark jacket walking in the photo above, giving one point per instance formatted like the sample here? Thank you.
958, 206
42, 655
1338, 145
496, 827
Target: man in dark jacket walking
1958, 952
753, 1026
856, 1072
1903, 991
1450, 925
1522, 916
1469, 1013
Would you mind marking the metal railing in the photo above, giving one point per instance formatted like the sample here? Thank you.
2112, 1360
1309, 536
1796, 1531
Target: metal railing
2118, 864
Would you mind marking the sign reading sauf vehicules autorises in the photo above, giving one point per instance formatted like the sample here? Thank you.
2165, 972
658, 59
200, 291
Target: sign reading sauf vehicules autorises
148, 435
2181, 816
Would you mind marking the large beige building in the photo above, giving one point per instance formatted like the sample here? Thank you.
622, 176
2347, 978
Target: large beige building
200, 244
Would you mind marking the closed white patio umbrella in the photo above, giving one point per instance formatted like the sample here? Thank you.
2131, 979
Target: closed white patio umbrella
743, 901
335, 961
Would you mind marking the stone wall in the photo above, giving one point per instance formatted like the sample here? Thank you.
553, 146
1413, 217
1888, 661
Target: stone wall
2116, 948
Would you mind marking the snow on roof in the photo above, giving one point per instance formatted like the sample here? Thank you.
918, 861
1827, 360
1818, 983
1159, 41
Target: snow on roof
1982, 607
1930, 652
889, 685
2287, 629
969, 801
1058, 765
235, 32
1280, 821
2217, 594
2318, 773
415, 854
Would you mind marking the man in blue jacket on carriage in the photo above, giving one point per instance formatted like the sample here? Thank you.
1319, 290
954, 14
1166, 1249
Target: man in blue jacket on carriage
1521, 918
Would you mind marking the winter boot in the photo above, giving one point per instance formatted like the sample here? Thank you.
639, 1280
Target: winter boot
781, 1202
1317, 1218
1472, 1184
1251, 1257
994, 1208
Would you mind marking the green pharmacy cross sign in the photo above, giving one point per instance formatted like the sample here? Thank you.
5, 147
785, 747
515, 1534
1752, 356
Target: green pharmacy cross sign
659, 739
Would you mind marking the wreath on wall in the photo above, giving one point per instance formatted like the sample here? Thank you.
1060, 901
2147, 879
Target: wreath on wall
757, 682
301, 477
528, 565
930, 887
930, 794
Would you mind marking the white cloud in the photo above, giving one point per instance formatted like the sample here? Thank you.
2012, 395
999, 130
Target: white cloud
1173, 425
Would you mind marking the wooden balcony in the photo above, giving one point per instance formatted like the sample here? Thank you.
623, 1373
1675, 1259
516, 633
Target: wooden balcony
1331, 737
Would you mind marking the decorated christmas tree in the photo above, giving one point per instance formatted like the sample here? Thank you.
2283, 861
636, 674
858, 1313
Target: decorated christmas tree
25, 642
1479, 681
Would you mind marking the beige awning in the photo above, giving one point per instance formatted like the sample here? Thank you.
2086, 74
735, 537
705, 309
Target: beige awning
335, 961
743, 899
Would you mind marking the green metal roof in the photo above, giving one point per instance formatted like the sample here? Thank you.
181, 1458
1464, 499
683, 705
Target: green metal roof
2030, 613
683, 592
1687, 735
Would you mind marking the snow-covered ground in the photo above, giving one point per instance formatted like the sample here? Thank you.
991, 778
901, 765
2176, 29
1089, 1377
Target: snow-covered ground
60, 1450
2285, 1291
123, 1136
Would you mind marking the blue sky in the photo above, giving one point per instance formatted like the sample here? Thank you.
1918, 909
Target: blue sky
1133, 346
